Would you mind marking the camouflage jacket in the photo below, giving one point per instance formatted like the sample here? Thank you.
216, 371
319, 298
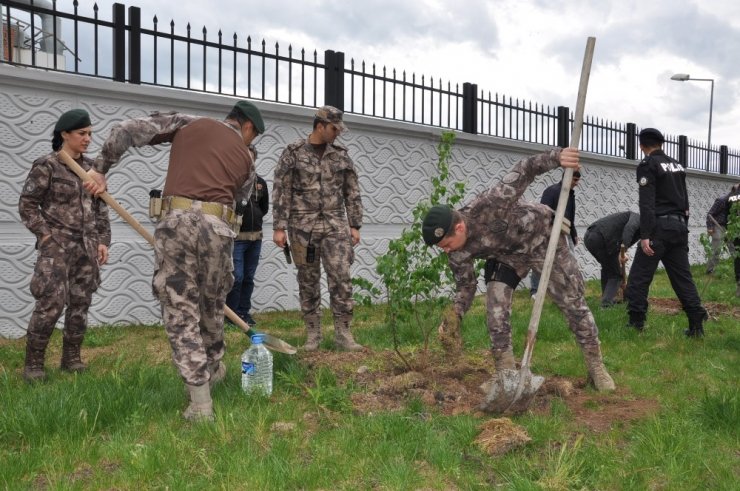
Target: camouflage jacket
54, 202
501, 225
307, 189
139, 132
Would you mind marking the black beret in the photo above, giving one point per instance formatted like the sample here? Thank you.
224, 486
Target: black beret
436, 224
253, 114
73, 120
651, 136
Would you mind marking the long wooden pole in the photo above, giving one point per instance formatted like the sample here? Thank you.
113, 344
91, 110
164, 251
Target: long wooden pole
552, 245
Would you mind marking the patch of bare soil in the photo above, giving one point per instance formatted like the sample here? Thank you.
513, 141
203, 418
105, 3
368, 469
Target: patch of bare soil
671, 306
453, 387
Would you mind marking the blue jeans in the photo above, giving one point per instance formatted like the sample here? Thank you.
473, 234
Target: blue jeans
246, 258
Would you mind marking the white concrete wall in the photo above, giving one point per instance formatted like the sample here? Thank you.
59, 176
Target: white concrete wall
394, 161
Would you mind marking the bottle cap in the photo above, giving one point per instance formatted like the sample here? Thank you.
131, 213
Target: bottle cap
258, 338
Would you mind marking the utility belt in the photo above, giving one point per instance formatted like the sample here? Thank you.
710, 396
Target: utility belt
564, 226
249, 235
159, 206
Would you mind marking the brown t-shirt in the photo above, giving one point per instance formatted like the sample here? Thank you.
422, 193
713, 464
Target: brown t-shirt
208, 162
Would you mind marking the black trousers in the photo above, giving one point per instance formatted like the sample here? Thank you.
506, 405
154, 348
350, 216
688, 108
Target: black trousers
608, 259
670, 243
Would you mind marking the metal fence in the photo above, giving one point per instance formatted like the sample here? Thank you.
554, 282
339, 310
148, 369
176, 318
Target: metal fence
37, 34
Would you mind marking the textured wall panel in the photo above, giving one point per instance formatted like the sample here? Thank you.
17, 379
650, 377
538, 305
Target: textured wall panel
394, 162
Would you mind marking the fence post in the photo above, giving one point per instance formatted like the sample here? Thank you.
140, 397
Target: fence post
630, 140
563, 126
134, 45
334, 79
119, 42
683, 150
724, 158
470, 108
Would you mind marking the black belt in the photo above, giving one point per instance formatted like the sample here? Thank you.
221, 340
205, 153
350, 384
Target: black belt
680, 218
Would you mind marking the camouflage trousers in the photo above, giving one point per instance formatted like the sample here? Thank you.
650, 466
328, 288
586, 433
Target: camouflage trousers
193, 273
566, 288
333, 249
66, 274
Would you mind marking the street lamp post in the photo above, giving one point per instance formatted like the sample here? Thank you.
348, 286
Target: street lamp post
683, 77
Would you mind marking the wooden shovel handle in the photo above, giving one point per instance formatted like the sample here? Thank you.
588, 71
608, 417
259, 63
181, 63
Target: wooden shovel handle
552, 245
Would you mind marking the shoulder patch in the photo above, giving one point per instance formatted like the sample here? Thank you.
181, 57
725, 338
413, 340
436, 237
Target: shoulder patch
643, 181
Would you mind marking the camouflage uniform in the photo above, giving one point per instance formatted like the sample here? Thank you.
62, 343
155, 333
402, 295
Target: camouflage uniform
310, 196
502, 226
193, 250
54, 203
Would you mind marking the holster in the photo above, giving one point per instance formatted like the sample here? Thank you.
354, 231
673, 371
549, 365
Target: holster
503, 273
155, 204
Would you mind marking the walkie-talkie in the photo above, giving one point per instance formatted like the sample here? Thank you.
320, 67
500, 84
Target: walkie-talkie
286, 251
310, 253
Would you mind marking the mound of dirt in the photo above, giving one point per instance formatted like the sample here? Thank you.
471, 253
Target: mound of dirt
452, 387
672, 306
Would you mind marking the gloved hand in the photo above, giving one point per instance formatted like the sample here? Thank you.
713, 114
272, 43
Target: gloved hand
449, 331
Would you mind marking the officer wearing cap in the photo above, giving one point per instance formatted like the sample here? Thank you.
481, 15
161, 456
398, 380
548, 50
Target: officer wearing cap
72, 232
513, 235
209, 161
664, 235
317, 205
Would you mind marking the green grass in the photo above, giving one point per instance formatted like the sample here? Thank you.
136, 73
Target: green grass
118, 426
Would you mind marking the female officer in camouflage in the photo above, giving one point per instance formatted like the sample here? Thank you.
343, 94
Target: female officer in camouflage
73, 234
499, 225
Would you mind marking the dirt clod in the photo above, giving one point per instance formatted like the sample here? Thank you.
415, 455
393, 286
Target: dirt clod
498, 436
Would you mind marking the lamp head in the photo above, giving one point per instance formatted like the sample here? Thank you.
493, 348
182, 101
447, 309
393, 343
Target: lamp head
681, 77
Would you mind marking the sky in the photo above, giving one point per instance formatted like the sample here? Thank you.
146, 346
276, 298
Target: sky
528, 49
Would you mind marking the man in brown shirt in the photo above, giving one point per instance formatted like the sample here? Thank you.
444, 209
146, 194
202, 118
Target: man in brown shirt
209, 161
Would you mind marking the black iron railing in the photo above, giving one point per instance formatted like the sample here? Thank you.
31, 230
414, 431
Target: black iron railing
124, 51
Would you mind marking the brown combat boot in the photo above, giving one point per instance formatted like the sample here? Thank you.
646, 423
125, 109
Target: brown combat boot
313, 332
342, 335
503, 359
597, 374
201, 405
71, 361
33, 369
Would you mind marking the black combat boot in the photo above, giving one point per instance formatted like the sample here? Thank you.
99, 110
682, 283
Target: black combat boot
696, 325
637, 320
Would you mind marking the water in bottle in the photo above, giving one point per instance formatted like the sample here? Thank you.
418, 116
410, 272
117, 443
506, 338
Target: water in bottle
257, 367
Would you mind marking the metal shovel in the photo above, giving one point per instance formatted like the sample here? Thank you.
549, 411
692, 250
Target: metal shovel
513, 390
271, 342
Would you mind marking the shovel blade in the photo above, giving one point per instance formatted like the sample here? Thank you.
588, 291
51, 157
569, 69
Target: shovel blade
511, 391
277, 344
273, 343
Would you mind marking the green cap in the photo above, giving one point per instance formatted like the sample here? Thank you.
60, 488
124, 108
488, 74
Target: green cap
73, 120
251, 112
436, 224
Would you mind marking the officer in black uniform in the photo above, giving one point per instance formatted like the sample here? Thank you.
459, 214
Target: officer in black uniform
664, 234
607, 239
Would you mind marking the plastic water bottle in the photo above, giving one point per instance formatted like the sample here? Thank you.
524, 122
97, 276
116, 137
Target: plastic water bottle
257, 367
